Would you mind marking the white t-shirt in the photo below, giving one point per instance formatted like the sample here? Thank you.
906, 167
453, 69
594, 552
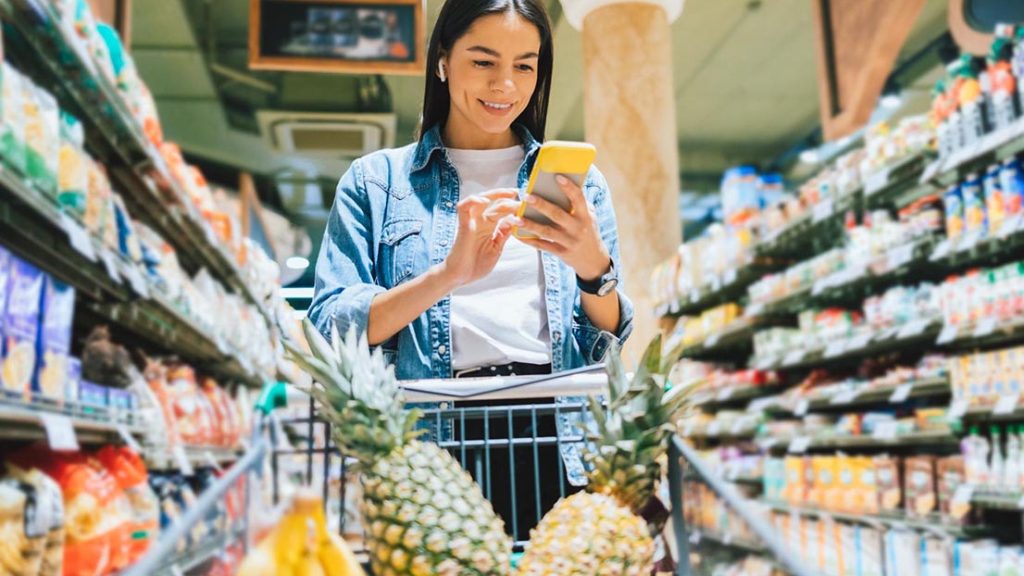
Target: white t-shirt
500, 318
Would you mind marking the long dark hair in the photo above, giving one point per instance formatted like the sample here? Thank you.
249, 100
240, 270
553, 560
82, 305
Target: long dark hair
455, 19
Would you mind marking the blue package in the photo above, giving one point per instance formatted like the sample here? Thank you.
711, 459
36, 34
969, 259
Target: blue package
21, 327
54, 343
92, 395
5, 275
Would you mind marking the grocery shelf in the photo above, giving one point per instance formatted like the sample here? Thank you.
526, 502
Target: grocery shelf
729, 286
699, 535
975, 250
998, 500
36, 40
853, 283
933, 523
736, 338
988, 333
856, 347
993, 147
715, 431
813, 232
162, 458
899, 183
21, 420
861, 398
800, 444
196, 556
729, 395
978, 414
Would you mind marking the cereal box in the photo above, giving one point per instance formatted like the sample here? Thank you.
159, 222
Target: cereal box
21, 328
58, 312
919, 487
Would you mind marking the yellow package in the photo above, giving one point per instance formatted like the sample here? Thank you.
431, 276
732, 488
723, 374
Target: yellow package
844, 493
793, 492
97, 199
824, 481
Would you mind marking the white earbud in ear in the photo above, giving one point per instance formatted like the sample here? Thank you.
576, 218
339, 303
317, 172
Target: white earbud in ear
440, 72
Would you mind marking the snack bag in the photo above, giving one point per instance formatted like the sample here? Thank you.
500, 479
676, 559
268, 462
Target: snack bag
42, 137
191, 411
58, 311
130, 472
49, 515
72, 167
22, 527
21, 327
12, 127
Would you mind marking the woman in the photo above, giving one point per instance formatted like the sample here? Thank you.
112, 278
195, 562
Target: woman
419, 251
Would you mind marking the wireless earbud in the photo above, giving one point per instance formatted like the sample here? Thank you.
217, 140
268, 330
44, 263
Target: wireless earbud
440, 72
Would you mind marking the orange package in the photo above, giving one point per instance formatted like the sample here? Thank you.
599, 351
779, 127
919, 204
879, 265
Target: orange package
193, 413
130, 472
222, 429
96, 516
156, 377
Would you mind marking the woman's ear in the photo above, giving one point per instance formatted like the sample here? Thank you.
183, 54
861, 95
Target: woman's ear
442, 67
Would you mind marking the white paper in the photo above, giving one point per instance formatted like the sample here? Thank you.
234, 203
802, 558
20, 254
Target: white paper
79, 237
822, 210
110, 266
884, 431
985, 327
128, 439
184, 464
725, 393
1007, 404
901, 393
941, 251
800, 444
801, 407
793, 357
60, 432
949, 333
835, 348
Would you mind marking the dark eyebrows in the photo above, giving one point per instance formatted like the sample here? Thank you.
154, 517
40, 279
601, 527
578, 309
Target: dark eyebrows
496, 54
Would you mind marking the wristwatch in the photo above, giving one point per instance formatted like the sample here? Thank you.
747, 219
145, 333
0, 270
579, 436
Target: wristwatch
603, 285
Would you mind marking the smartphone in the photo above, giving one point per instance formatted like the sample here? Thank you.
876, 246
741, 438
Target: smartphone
572, 160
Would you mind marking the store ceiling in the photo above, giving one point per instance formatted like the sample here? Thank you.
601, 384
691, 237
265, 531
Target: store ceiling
744, 71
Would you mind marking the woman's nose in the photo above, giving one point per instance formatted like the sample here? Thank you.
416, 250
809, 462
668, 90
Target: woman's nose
502, 82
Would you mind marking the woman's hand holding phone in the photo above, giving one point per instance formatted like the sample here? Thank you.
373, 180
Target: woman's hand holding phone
574, 237
485, 224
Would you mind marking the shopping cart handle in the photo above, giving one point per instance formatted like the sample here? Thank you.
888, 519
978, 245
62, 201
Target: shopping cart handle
274, 395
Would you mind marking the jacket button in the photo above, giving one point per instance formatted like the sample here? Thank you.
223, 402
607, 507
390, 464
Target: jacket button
443, 242
442, 349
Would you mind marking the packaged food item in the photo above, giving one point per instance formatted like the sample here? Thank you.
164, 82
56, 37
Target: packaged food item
5, 275
902, 552
974, 116
994, 204
97, 202
870, 558
12, 128
1011, 182
58, 311
91, 395
130, 473
22, 327
974, 206
920, 485
193, 413
120, 401
24, 543
954, 207
887, 478
42, 139
73, 381
1005, 106
951, 474
72, 167
49, 515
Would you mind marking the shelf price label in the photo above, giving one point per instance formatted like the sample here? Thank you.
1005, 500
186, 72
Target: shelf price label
901, 393
949, 333
884, 431
725, 393
128, 439
181, 458
985, 327
60, 432
844, 396
80, 239
861, 341
136, 281
793, 357
800, 444
913, 328
1007, 404
958, 408
941, 251
898, 257
822, 210
802, 407
963, 494
108, 263
755, 309
876, 182
729, 277
712, 340
1011, 226
835, 348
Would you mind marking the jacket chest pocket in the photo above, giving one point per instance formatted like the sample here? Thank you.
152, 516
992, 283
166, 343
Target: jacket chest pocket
402, 250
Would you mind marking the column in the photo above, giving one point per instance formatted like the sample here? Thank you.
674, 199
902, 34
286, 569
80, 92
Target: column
629, 115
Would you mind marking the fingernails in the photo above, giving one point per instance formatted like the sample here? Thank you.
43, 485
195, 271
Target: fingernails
531, 199
561, 179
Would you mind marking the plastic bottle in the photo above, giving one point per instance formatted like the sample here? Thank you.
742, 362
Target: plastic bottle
995, 206
973, 113
1011, 472
1005, 107
1011, 181
996, 468
976, 458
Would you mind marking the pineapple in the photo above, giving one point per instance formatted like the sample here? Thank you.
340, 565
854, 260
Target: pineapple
424, 514
600, 531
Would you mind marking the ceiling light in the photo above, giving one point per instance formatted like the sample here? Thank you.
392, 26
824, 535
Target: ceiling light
809, 156
297, 263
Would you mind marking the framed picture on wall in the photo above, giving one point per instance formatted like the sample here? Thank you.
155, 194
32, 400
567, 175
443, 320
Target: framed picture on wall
340, 36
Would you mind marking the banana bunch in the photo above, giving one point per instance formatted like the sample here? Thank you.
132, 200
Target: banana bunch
300, 545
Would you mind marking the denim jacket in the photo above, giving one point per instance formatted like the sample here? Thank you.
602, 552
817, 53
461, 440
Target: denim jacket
394, 216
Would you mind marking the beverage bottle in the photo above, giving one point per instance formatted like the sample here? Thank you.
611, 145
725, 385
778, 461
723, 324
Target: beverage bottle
1011, 471
940, 118
995, 206
1005, 105
995, 474
974, 121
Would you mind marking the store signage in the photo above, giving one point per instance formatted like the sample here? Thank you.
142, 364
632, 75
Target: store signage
341, 36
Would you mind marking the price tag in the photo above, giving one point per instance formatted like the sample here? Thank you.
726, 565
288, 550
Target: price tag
861, 341
208, 456
184, 464
688, 429
800, 444
737, 428
801, 407
176, 570
128, 439
968, 243
714, 428
110, 266
835, 348
963, 495
716, 284
957, 409
793, 357
898, 257
949, 333
941, 251
755, 309
844, 396
138, 285
1007, 404
725, 393
79, 237
985, 327
767, 443
1010, 226
60, 432
695, 537
876, 182
727, 538
820, 285
931, 170
1020, 503
712, 340
913, 328
901, 393
730, 276
694, 295
822, 210
884, 431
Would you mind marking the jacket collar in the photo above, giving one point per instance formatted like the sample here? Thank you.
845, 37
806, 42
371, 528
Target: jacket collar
431, 142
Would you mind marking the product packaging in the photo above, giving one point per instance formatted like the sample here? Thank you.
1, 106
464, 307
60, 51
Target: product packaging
22, 327
887, 478
919, 486
5, 276
72, 167
58, 311
42, 137
12, 128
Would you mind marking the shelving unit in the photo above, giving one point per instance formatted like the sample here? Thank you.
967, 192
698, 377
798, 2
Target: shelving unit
931, 523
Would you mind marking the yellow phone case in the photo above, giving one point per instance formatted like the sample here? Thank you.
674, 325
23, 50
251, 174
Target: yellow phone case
572, 159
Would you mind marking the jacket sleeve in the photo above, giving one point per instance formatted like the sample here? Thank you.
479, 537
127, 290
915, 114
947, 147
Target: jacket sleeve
345, 276
593, 341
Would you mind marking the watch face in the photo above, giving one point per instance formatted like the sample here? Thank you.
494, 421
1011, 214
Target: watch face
607, 287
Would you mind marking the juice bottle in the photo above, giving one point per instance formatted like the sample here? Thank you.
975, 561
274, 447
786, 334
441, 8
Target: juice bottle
954, 208
940, 118
996, 469
1005, 105
973, 114
974, 206
994, 203
954, 113
1017, 62
1011, 181
1011, 470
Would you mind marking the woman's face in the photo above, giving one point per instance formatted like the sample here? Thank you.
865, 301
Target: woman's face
492, 72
